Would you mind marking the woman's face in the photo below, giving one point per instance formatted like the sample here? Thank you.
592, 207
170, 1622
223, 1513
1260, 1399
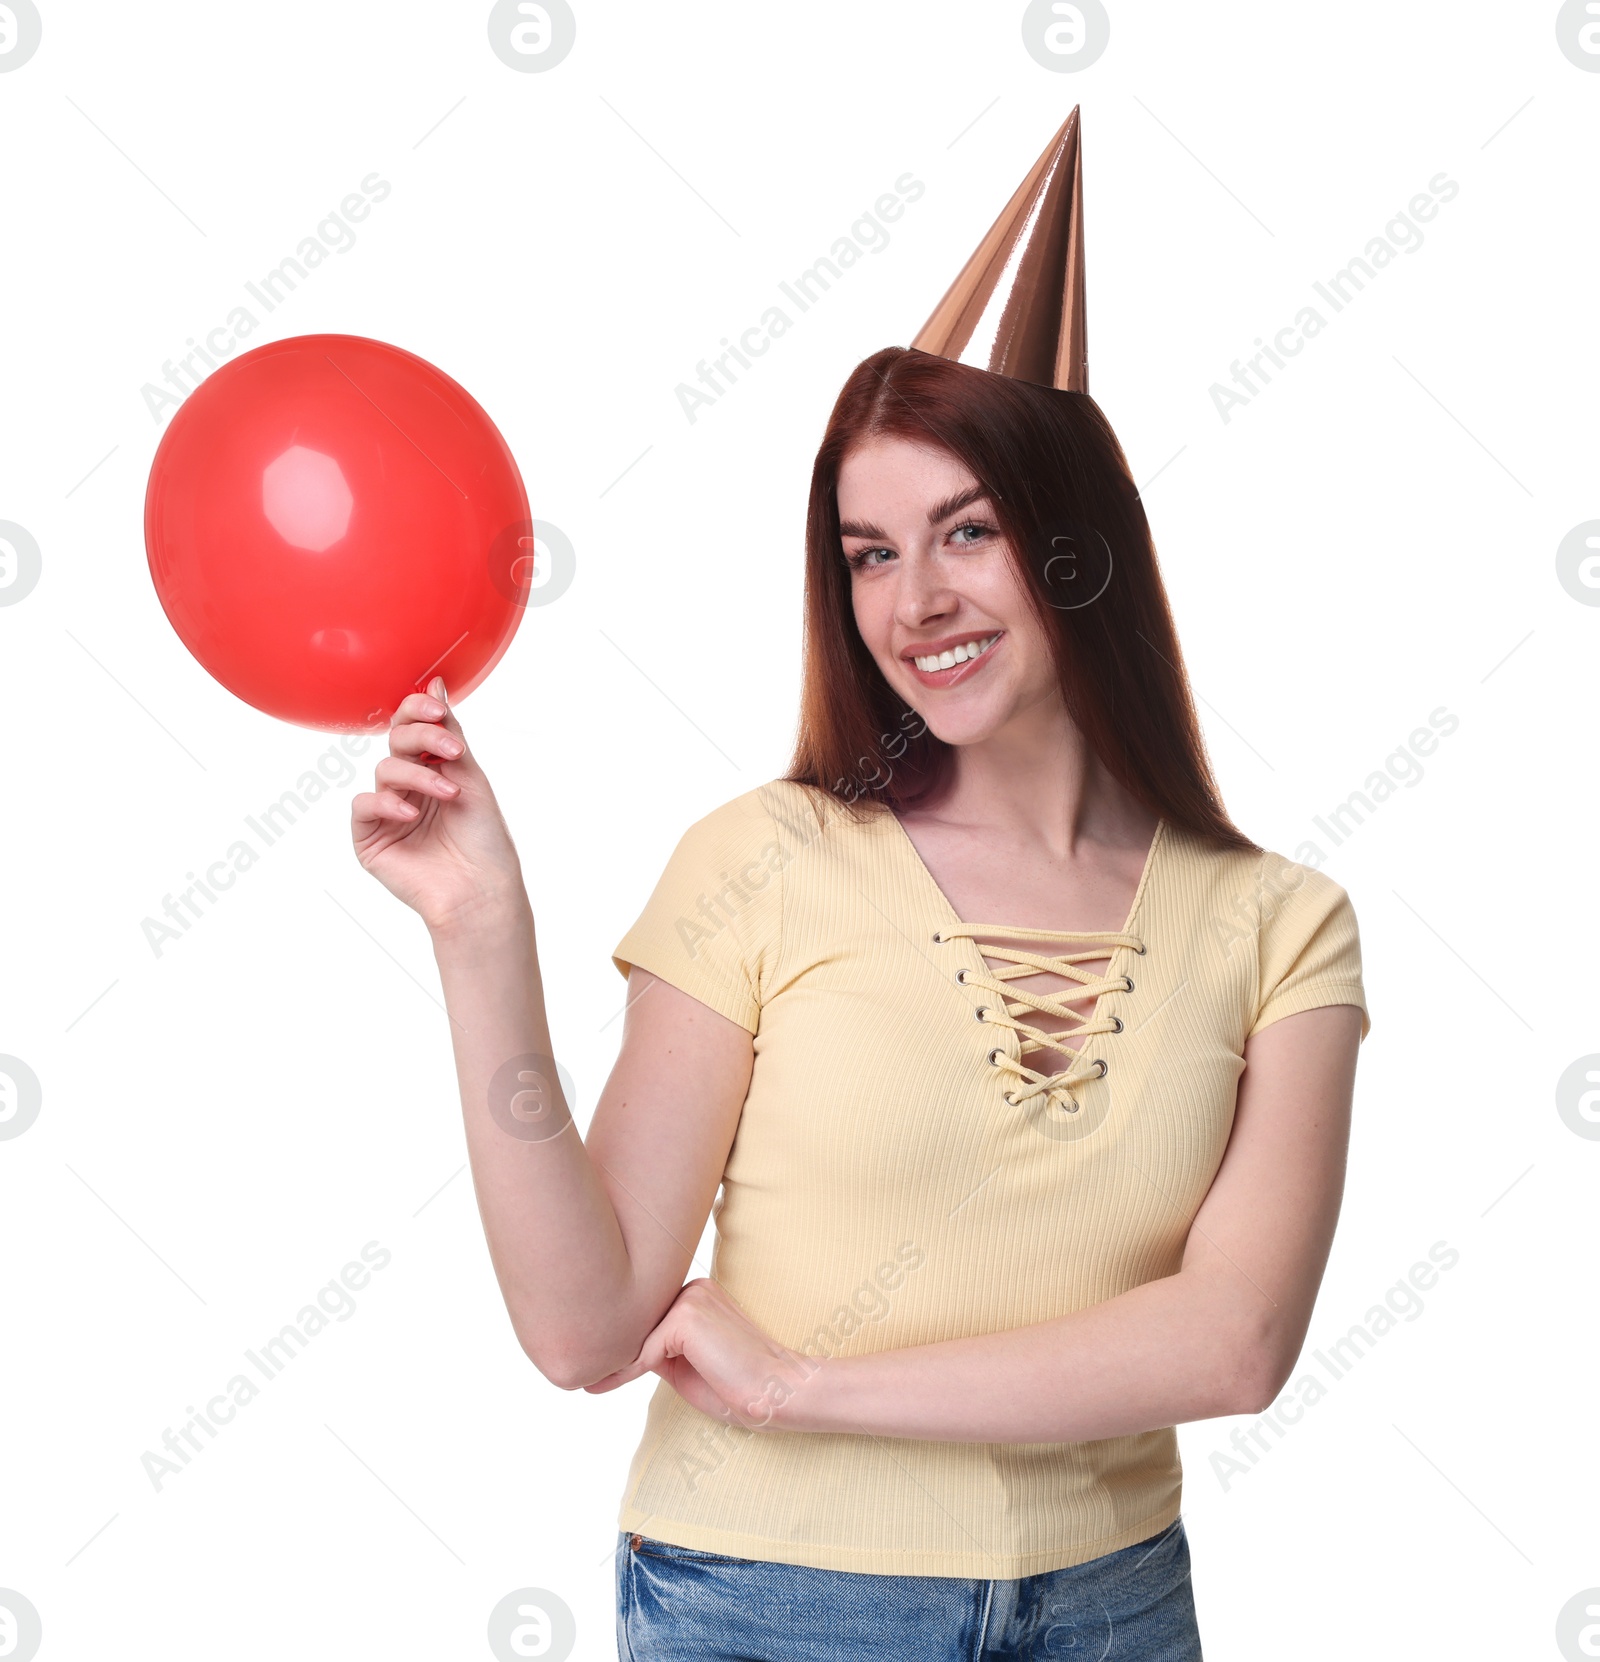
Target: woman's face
931, 578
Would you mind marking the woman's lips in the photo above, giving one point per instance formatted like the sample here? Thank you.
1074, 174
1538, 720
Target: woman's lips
957, 672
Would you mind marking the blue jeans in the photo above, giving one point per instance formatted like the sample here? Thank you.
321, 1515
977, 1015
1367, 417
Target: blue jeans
678, 1604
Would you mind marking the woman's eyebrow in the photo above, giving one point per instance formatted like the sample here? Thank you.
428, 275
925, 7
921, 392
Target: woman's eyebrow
938, 512
954, 504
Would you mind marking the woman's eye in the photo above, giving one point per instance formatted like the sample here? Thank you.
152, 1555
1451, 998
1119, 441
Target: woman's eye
863, 557
979, 532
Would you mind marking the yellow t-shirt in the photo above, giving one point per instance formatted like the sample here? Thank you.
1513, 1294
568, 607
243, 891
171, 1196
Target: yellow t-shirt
881, 1193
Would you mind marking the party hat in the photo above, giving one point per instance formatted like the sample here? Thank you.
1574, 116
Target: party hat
1017, 307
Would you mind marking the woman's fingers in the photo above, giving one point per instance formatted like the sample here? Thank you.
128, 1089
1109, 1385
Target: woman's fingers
647, 1360
370, 808
423, 726
416, 738
436, 691
396, 774
419, 707
651, 1356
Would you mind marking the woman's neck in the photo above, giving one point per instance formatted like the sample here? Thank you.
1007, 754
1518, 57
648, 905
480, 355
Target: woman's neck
1037, 781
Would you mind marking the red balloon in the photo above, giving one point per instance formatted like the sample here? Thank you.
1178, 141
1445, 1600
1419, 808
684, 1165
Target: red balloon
331, 522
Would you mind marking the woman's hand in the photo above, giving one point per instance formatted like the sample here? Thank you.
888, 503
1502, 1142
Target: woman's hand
433, 835
721, 1363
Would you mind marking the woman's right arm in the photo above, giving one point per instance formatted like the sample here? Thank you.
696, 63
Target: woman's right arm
590, 1244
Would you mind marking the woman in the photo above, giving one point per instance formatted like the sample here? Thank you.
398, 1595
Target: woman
1003, 1202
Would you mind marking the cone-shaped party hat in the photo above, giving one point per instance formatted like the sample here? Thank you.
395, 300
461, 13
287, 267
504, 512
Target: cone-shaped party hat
1017, 307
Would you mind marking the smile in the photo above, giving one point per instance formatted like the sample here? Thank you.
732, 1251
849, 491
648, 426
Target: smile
959, 654
955, 664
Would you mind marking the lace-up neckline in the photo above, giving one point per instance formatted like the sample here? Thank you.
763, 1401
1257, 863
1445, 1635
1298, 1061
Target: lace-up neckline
1009, 1007
1042, 1089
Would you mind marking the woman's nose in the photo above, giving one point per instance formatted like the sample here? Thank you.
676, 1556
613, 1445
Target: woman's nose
923, 591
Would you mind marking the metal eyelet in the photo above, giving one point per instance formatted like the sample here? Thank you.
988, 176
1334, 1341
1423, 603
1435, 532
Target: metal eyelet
992, 1054
1140, 949
1118, 1021
938, 937
961, 977
981, 1013
1103, 1065
1127, 983
1009, 1098
1071, 1105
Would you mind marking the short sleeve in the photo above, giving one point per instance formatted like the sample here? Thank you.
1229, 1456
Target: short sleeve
713, 924
1308, 947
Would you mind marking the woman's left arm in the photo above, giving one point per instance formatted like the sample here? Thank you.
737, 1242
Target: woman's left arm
1220, 1336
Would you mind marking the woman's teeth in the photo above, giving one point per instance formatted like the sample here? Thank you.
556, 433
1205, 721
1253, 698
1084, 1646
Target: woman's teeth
957, 654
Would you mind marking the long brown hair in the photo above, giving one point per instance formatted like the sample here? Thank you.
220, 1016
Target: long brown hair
1071, 514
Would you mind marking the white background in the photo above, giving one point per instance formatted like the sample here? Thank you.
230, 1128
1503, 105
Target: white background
1373, 538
